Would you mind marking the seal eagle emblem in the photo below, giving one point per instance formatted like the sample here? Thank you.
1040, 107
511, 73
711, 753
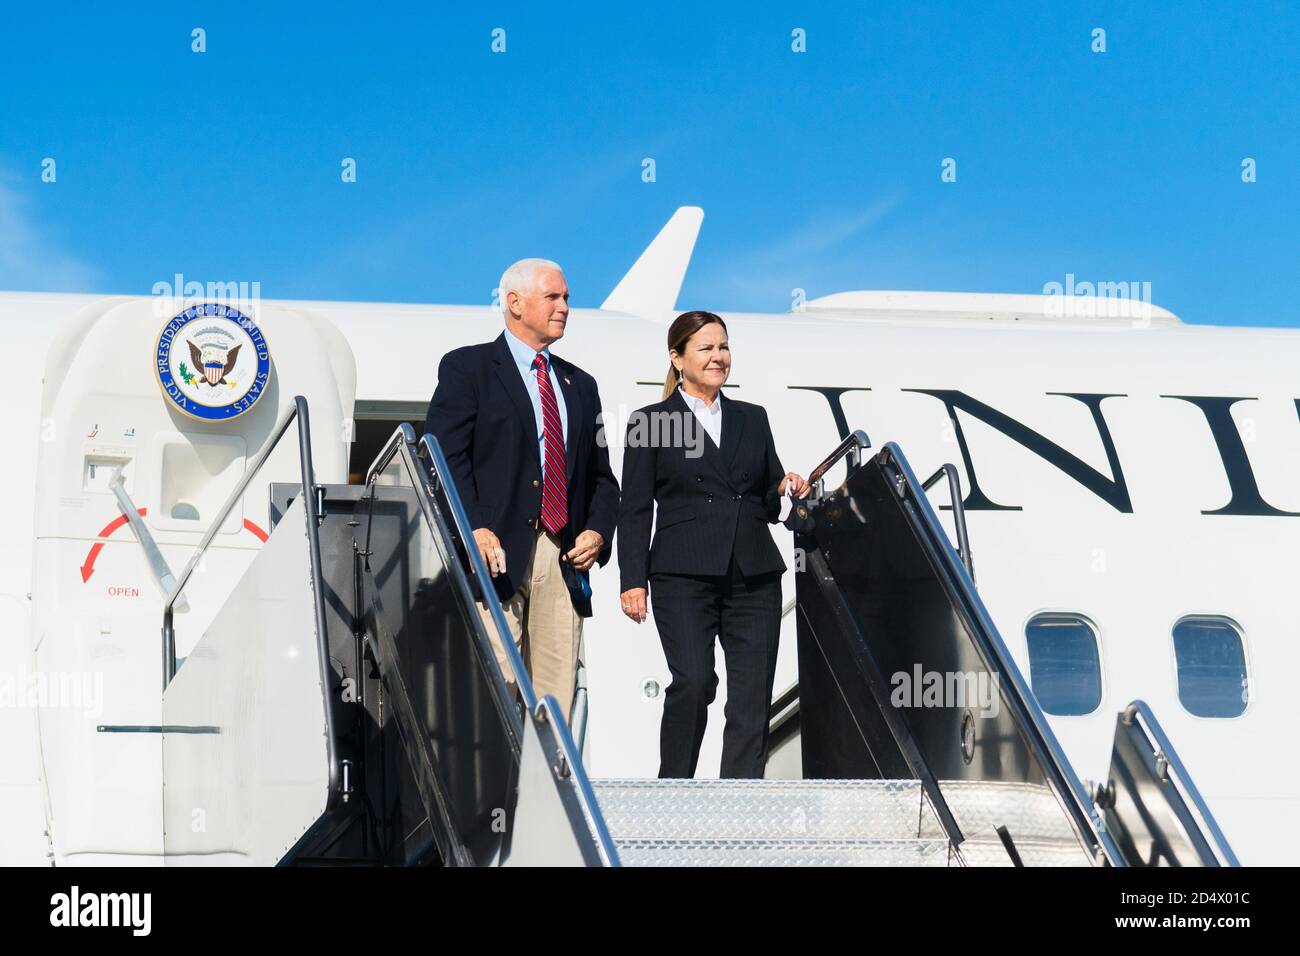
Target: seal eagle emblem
222, 369
214, 362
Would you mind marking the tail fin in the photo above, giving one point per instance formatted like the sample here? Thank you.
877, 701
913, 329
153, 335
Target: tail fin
654, 280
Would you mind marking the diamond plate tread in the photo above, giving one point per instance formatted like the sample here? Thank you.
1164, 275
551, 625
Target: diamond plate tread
985, 849
785, 853
980, 853
1029, 811
992, 853
693, 810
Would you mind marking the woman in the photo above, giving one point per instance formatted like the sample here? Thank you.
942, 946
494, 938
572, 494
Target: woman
710, 465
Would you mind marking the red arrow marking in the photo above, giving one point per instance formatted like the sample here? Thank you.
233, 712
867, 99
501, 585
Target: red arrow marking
117, 523
88, 566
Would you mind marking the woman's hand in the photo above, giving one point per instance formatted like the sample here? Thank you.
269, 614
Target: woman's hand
798, 487
633, 601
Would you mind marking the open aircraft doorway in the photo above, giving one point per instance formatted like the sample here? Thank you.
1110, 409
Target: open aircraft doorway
373, 423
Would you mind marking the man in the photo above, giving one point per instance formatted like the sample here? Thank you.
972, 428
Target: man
518, 427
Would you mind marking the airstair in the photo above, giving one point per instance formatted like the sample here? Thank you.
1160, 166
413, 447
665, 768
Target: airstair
347, 708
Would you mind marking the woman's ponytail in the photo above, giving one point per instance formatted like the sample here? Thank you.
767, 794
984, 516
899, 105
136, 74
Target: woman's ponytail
671, 380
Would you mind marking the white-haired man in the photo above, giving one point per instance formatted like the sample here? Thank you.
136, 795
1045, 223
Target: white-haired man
518, 427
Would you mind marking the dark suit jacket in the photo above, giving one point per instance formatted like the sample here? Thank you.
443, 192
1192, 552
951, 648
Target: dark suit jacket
710, 507
483, 418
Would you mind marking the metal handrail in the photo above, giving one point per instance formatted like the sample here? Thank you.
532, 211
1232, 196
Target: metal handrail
402, 444
1138, 712
281, 425
852, 446
312, 506
438, 468
989, 644
548, 712
784, 700
868, 669
958, 512
399, 446
403, 434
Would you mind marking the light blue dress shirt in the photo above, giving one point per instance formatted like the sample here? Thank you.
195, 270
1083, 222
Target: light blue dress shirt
524, 357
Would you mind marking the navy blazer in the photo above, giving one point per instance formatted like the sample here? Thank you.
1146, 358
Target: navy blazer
483, 419
711, 507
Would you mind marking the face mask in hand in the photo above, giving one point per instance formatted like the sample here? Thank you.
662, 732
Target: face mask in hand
576, 580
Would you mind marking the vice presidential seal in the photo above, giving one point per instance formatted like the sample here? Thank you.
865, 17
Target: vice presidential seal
212, 362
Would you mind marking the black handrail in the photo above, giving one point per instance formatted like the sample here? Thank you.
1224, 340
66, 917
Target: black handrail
949, 471
997, 658
312, 506
851, 446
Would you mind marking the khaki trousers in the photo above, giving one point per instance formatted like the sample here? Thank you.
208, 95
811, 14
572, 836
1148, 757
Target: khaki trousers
546, 627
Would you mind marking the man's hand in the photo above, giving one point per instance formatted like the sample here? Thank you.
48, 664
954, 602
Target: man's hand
797, 485
586, 549
490, 547
633, 601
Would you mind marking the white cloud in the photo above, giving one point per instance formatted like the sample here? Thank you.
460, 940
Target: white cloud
30, 258
825, 253
817, 237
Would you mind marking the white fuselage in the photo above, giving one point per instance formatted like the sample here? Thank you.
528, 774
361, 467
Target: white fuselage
1133, 555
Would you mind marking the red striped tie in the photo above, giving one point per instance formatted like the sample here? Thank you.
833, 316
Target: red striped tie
555, 507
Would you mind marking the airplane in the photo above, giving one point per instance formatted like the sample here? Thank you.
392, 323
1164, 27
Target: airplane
1127, 481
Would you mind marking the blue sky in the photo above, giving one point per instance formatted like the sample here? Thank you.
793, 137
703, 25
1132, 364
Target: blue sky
817, 170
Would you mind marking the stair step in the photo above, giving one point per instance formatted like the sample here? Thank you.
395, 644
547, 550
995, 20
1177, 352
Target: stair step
981, 852
1030, 812
785, 853
830, 823
763, 810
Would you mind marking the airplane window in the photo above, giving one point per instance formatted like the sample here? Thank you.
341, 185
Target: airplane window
1211, 658
1064, 664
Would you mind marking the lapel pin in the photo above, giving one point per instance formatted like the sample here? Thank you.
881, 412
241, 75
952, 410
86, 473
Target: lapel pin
567, 380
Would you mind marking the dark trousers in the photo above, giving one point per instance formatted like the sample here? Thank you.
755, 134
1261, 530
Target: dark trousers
745, 614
